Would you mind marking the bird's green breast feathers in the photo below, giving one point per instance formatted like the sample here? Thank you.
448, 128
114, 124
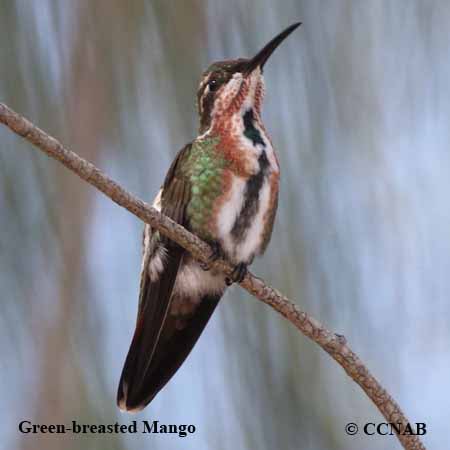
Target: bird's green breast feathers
204, 166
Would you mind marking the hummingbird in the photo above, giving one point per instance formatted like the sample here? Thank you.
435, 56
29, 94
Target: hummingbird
223, 187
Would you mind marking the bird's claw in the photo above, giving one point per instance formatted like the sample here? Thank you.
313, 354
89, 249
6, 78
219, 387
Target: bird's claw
239, 271
238, 274
217, 253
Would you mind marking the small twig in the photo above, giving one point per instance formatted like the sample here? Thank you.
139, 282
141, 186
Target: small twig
333, 344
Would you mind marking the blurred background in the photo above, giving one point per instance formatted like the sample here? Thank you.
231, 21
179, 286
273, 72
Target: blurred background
358, 108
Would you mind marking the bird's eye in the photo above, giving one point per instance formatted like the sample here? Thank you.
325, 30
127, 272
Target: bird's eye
213, 85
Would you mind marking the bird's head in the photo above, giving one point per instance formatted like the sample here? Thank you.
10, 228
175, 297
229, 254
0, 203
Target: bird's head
228, 87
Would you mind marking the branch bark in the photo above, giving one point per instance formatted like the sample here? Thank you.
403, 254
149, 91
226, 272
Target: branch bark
334, 344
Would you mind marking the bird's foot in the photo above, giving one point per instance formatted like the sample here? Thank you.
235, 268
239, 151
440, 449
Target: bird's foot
238, 274
217, 253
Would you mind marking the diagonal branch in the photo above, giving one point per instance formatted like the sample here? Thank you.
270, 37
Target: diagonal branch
332, 343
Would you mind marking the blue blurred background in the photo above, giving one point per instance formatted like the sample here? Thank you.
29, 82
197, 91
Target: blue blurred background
358, 108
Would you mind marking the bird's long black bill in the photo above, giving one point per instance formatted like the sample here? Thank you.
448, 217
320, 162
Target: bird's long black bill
263, 55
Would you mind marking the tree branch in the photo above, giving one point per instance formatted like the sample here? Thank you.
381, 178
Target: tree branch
332, 343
